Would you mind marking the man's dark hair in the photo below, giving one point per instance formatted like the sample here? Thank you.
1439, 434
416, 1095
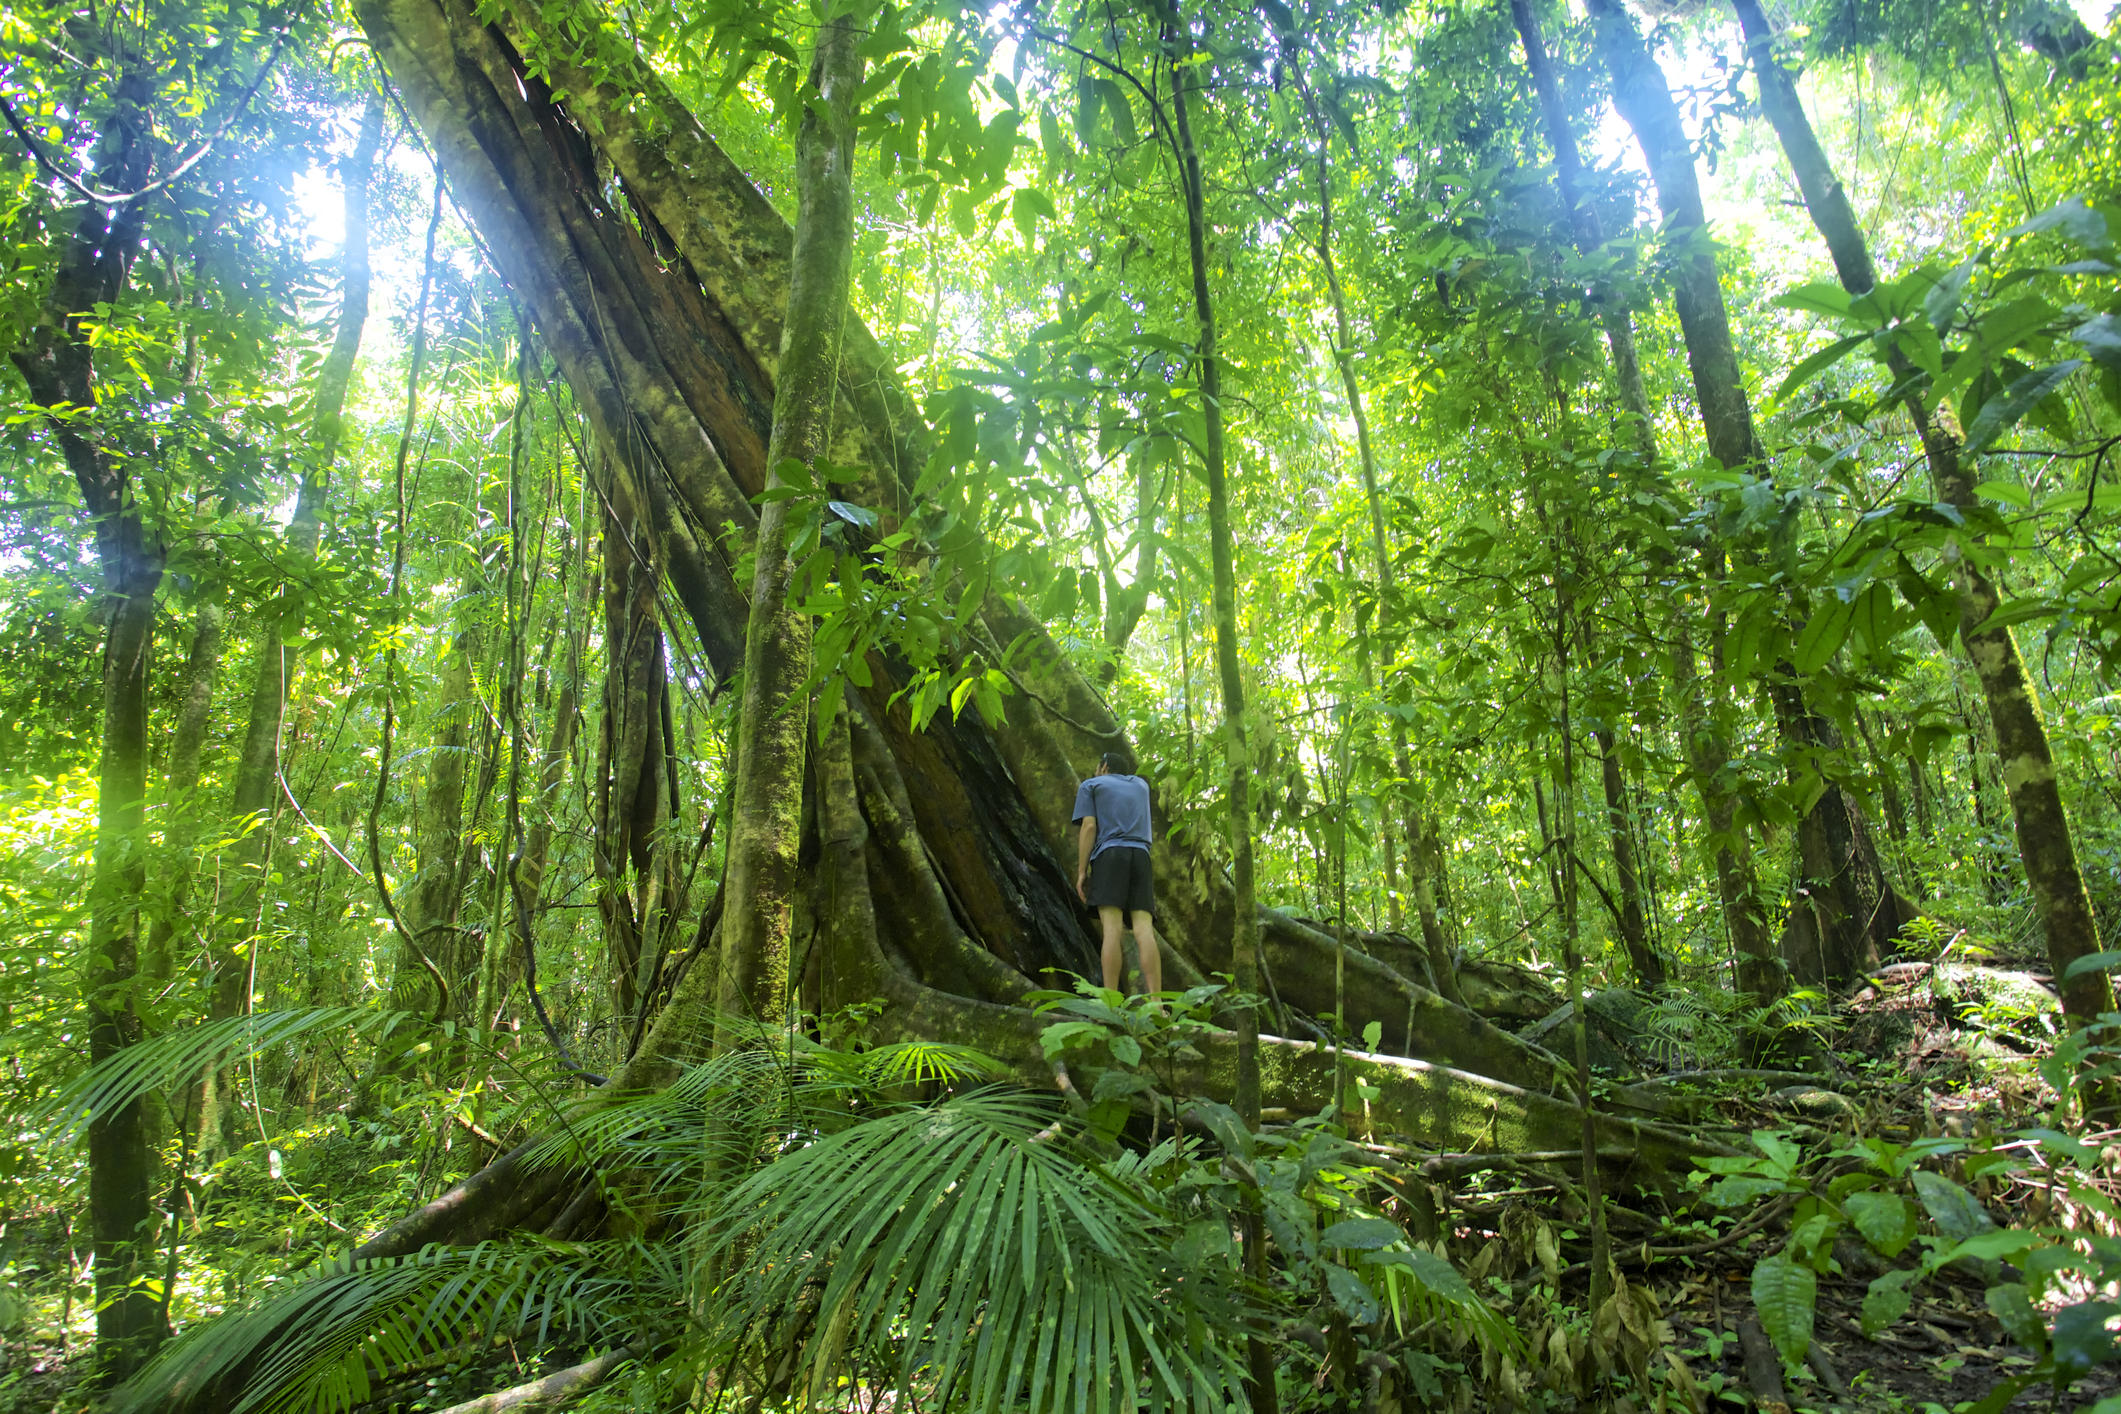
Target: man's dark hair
1119, 763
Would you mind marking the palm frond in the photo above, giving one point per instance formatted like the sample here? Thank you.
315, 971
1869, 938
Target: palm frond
181, 1056
1000, 1263
321, 1342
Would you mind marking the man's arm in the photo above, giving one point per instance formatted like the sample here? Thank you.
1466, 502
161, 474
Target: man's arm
1085, 841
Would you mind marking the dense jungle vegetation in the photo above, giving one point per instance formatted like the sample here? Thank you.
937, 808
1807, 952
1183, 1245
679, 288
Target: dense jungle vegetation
563, 563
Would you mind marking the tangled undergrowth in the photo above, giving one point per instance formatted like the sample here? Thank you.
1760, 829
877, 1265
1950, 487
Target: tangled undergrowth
1917, 1223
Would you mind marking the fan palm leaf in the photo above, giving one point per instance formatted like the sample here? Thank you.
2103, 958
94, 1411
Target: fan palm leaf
319, 1342
1002, 1264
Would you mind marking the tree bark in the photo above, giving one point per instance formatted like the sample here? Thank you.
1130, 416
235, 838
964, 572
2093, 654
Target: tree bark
966, 821
2045, 842
1633, 921
636, 867
57, 364
1644, 99
1420, 828
773, 721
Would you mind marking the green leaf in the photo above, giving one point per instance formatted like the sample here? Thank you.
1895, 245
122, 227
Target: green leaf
1785, 1294
1886, 1220
1352, 1294
1088, 102
1818, 363
1818, 297
2014, 1310
1941, 304
2081, 1339
2091, 962
1361, 1234
1999, 414
1119, 110
2075, 218
2101, 338
1888, 1299
2008, 492
1823, 634
1957, 1213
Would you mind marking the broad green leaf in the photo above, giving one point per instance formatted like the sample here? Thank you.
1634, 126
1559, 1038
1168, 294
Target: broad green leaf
1957, 1213
2101, 338
1886, 1220
1823, 634
1361, 1234
2092, 962
2081, 1341
2003, 412
1785, 1294
2008, 492
1352, 1294
1887, 1299
1818, 297
1818, 363
2014, 1309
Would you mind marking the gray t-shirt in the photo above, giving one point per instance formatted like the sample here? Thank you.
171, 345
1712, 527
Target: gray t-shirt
1121, 806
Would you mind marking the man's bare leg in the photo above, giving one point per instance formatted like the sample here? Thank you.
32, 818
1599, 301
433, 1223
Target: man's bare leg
1112, 958
1152, 961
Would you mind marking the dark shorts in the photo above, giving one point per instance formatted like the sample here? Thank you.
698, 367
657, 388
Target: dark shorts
1119, 878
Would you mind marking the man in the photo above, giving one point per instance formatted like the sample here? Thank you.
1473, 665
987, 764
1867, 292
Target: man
1112, 863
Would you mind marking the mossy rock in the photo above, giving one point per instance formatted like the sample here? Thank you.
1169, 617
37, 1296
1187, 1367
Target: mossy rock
2006, 997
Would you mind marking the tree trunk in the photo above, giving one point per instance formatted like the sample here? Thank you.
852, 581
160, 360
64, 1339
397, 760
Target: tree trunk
672, 349
57, 364
1848, 915
1705, 751
255, 789
1633, 921
525, 882
636, 867
429, 907
773, 725
1644, 99
180, 782
1443, 976
2029, 777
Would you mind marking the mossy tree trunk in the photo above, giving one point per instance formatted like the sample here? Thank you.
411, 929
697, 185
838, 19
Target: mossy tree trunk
774, 721
940, 885
1644, 98
57, 364
2045, 843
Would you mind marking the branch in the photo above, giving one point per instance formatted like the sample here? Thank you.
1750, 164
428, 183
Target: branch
120, 198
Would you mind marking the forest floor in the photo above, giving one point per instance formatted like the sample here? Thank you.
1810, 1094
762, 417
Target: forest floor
1949, 1052
1946, 1052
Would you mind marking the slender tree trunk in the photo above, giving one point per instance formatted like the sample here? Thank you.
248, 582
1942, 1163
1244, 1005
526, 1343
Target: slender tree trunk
57, 364
635, 865
525, 883
1443, 975
255, 788
773, 730
1244, 943
1644, 99
2045, 842
1705, 752
1125, 604
1633, 921
195, 700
